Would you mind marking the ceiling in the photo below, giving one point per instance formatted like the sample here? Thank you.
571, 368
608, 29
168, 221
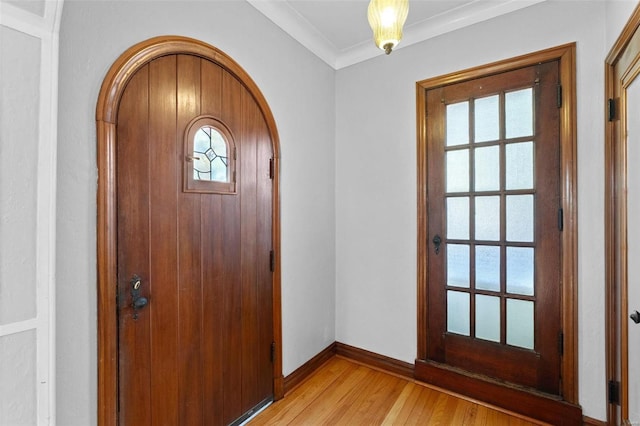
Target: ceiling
338, 32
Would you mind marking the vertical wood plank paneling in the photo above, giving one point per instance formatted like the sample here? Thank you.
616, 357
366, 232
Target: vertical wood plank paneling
248, 192
263, 268
211, 84
197, 288
189, 246
163, 303
133, 250
231, 114
212, 266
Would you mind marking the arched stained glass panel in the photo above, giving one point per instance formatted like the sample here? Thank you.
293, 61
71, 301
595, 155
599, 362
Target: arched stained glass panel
210, 155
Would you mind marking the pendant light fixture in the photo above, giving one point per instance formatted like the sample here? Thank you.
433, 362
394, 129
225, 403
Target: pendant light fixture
386, 18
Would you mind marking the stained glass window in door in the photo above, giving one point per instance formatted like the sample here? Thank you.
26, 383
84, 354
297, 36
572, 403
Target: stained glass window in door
210, 155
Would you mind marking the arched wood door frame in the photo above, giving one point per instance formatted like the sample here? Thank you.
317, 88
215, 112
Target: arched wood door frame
106, 118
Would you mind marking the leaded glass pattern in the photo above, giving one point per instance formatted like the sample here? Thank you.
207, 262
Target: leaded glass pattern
210, 158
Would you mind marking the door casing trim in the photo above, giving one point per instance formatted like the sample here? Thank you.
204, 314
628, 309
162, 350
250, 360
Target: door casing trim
566, 55
615, 225
111, 92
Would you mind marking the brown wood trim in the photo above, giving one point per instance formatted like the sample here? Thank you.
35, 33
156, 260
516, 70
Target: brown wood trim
535, 405
611, 315
423, 220
588, 421
374, 360
614, 221
625, 37
546, 55
569, 194
106, 110
565, 54
278, 377
308, 368
107, 277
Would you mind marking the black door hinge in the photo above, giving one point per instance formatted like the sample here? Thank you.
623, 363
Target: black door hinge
614, 392
272, 261
273, 352
271, 168
559, 95
561, 343
611, 107
560, 219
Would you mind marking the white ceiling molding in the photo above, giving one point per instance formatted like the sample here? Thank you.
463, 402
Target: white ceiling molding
286, 17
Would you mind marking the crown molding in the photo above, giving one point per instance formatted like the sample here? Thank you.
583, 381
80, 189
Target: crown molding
288, 19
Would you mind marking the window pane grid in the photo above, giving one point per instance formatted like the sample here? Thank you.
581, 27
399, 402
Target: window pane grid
487, 199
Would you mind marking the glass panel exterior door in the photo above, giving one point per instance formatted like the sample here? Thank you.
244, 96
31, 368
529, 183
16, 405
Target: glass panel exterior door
493, 190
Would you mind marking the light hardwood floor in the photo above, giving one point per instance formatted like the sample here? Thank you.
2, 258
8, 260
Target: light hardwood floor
343, 392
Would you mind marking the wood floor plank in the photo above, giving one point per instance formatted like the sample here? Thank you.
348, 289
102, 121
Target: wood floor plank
424, 407
342, 392
335, 398
370, 407
414, 404
394, 413
284, 411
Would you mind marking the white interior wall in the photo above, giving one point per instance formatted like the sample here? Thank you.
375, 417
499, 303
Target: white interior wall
617, 15
374, 224
298, 87
376, 178
28, 108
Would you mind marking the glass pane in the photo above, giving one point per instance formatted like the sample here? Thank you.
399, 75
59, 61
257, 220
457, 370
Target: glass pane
520, 267
210, 157
519, 113
488, 218
457, 124
458, 171
458, 265
519, 167
520, 323
458, 218
487, 119
18, 380
520, 218
487, 168
488, 317
458, 312
488, 268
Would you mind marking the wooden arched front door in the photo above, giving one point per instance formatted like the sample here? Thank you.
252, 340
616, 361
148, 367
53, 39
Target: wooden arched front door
188, 239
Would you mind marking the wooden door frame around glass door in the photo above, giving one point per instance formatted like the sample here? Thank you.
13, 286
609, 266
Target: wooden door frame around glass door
568, 405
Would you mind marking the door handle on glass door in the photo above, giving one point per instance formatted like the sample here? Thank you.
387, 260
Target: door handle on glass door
635, 317
436, 243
